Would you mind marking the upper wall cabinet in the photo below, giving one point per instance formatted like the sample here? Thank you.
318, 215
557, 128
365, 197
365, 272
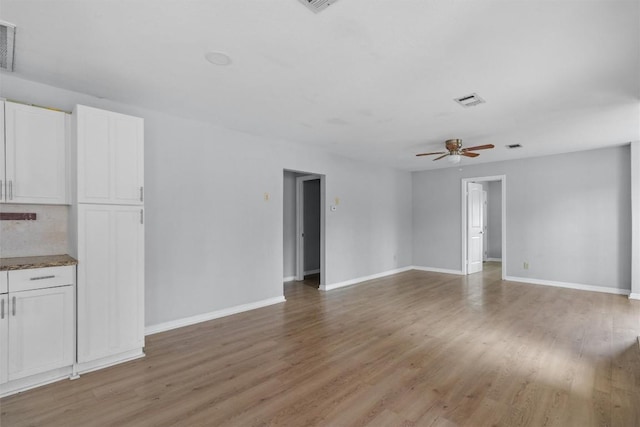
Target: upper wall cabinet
110, 150
33, 159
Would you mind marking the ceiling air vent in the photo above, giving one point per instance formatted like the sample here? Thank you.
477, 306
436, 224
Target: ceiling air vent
318, 5
470, 100
7, 43
514, 146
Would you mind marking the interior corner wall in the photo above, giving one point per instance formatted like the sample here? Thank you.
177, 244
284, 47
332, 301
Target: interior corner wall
494, 222
568, 216
212, 240
289, 223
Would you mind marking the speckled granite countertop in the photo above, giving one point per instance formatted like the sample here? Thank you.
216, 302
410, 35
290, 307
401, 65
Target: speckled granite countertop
23, 263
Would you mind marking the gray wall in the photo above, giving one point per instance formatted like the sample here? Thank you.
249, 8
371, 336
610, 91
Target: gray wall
212, 241
568, 216
494, 220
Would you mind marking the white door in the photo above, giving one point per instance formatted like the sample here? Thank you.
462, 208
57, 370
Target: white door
485, 219
475, 224
4, 336
110, 280
36, 155
41, 331
110, 157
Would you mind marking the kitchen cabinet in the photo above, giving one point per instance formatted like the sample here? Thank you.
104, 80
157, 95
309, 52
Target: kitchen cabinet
110, 284
110, 157
37, 327
34, 159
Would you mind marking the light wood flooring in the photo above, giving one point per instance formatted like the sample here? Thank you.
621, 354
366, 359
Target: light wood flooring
413, 349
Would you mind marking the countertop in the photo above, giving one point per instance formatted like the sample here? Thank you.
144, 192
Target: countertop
24, 263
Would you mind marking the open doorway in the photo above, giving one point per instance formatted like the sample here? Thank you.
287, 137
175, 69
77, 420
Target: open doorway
303, 228
483, 223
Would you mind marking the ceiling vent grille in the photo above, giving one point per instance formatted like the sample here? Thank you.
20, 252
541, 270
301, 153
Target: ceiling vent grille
7, 45
318, 5
470, 100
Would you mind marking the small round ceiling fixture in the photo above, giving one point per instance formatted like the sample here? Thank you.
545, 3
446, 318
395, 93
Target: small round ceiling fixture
218, 58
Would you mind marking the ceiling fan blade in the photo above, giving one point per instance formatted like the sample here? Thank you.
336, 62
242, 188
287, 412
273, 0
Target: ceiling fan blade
479, 147
466, 154
428, 154
441, 157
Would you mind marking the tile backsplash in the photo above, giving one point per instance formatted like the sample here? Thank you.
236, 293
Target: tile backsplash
47, 235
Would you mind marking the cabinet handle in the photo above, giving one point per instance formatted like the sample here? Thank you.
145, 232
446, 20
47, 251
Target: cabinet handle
141, 216
1, 187
10, 189
2, 309
142, 194
14, 306
42, 277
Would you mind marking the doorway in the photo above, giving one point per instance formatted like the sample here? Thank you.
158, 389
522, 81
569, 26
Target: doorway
483, 223
304, 224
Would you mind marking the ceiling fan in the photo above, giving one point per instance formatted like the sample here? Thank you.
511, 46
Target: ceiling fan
455, 151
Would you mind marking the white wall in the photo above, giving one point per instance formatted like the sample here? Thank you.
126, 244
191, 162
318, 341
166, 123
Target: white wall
568, 216
212, 242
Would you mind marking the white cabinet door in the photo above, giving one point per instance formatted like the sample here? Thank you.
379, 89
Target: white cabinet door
4, 337
36, 151
110, 281
3, 181
110, 150
41, 331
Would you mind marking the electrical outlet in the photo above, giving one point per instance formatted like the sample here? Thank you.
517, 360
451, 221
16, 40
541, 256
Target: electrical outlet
526, 265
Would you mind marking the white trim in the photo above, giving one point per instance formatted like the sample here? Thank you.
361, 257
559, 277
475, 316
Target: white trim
289, 279
438, 270
634, 296
179, 323
364, 279
494, 259
33, 381
463, 197
105, 362
316, 271
578, 286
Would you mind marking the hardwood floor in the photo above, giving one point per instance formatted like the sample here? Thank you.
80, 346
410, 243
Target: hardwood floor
414, 349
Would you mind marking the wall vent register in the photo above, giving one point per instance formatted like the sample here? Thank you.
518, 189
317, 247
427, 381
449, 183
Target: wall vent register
7, 45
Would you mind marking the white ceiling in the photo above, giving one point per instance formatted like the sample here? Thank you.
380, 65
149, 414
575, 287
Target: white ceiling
371, 79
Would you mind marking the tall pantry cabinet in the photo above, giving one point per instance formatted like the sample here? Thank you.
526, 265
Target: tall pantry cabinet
108, 213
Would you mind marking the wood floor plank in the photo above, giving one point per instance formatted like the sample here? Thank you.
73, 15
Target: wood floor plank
413, 349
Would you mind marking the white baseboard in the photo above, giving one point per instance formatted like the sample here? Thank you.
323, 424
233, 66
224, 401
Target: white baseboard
289, 279
105, 362
578, 286
179, 323
634, 296
316, 271
438, 270
494, 259
363, 279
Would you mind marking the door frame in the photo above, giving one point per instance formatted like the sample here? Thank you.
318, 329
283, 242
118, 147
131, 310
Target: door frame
503, 180
300, 180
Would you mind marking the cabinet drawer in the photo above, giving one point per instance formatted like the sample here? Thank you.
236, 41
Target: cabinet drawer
39, 278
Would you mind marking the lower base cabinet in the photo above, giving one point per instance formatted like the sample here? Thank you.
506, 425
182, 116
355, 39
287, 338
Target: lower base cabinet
37, 323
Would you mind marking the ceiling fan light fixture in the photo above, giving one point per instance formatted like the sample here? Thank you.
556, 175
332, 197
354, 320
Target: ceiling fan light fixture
454, 158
